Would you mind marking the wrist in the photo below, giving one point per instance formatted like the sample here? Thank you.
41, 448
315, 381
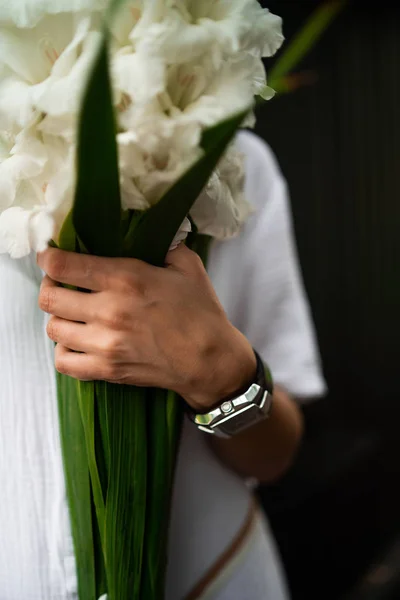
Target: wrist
227, 376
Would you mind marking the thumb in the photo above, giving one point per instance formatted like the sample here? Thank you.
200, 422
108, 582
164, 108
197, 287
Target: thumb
184, 260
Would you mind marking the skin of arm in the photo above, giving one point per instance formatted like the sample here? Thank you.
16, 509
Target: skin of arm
267, 450
147, 326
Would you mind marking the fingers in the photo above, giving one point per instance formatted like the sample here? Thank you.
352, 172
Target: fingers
68, 304
90, 339
75, 336
88, 272
100, 274
78, 270
91, 367
85, 367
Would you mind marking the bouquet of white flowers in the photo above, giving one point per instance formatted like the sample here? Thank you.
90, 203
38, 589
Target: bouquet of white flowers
116, 131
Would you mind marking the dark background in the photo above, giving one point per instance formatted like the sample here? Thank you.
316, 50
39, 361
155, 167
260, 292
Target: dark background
336, 515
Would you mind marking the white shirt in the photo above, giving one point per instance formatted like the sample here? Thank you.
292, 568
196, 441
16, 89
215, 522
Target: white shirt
257, 279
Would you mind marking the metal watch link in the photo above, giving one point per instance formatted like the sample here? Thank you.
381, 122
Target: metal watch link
236, 414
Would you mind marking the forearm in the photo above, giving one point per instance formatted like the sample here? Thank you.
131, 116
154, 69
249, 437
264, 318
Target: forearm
266, 450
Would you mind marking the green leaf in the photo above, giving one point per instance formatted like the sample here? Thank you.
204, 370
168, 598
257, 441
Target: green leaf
76, 471
165, 417
103, 439
304, 41
126, 495
86, 398
97, 205
154, 233
67, 237
163, 420
114, 7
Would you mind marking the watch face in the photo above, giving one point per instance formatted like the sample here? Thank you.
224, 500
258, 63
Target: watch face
240, 421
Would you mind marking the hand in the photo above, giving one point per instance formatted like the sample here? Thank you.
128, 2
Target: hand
143, 325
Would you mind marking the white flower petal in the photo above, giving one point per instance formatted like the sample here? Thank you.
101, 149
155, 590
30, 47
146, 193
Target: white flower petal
41, 228
125, 20
26, 161
231, 90
176, 40
27, 13
22, 231
141, 78
15, 103
131, 197
221, 209
183, 30
14, 232
61, 93
67, 59
264, 37
62, 126
154, 153
31, 53
182, 234
12, 171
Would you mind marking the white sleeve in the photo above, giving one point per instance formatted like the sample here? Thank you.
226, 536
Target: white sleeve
258, 280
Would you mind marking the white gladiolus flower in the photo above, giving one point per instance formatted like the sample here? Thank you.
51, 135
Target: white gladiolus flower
178, 67
222, 208
23, 160
21, 230
211, 53
154, 153
182, 30
137, 79
43, 71
36, 183
208, 96
44, 68
28, 13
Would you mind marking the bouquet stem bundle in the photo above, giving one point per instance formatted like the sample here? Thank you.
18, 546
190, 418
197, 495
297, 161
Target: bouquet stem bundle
120, 442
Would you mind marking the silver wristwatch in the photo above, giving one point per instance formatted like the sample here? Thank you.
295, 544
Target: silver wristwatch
234, 415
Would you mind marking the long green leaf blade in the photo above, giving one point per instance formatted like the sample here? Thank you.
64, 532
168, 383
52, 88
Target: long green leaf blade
67, 237
86, 397
165, 415
77, 480
114, 7
126, 496
304, 41
97, 205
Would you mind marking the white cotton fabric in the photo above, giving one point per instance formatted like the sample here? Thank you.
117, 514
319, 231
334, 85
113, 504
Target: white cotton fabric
257, 278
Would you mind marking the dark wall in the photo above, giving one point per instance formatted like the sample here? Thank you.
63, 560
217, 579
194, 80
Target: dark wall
338, 143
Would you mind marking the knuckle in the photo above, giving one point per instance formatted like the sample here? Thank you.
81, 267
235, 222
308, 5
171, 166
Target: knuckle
47, 299
116, 318
89, 266
60, 365
130, 283
57, 265
52, 330
113, 373
112, 346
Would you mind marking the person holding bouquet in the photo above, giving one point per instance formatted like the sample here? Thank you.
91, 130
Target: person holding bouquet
235, 341
164, 328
